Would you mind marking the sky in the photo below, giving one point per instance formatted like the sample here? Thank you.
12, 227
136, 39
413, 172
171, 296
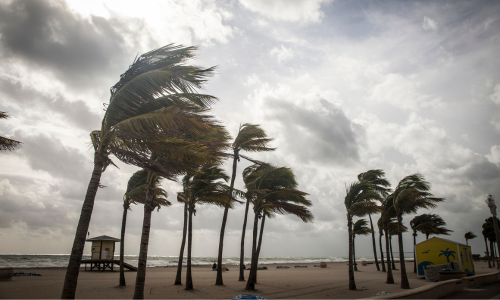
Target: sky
342, 86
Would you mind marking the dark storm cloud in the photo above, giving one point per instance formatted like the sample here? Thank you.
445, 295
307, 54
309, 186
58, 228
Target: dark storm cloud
326, 136
76, 112
48, 153
49, 36
38, 213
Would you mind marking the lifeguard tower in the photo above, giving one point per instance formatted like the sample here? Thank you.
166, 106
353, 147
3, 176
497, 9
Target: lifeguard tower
103, 253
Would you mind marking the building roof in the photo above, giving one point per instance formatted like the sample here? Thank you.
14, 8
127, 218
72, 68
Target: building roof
103, 238
435, 237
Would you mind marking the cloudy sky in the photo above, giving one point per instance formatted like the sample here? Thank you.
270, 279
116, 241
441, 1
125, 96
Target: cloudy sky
342, 86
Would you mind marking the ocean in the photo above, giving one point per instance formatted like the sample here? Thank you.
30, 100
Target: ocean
61, 260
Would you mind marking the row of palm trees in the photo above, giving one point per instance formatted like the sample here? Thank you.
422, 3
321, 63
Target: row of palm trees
157, 120
371, 194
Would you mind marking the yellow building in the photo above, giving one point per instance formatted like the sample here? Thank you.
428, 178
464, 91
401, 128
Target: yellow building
436, 251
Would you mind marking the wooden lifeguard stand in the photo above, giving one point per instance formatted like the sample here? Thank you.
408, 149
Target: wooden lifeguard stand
103, 252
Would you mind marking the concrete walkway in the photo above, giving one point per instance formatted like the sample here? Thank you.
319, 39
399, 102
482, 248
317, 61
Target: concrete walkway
487, 291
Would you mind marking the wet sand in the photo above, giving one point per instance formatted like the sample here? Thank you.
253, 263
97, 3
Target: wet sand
298, 283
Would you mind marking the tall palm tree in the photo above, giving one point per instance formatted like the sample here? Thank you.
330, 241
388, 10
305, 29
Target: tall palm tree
393, 230
411, 194
469, 236
272, 191
136, 193
489, 233
154, 97
203, 186
387, 216
359, 201
359, 228
381, 186
380, 234
181, 198
5, 143
250, 138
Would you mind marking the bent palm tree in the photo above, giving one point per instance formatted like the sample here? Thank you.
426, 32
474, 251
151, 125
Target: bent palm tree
469, 236
203, 186
379, 185
411, 194
136, 193
387, 216
272, 191
149, 101
380, 226
181, 198
250, 138
5, 143
359, 201
359, 228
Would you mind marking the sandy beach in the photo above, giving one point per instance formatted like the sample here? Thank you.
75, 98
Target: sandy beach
298, 283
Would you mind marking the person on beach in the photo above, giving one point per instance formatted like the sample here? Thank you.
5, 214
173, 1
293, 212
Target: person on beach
214, 267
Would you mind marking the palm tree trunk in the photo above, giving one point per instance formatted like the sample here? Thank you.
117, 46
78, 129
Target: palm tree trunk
354, 253
390, 278
253, 267
381, 251
414, 255
392, 254
178, 280
242, 247
487, 254
374, 243
140, 279
71, 279
404, 277
122, 245
218, 280
260, 243
352, 283
189, 278
492, 254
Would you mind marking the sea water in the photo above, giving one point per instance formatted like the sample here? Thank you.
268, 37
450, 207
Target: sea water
61, 260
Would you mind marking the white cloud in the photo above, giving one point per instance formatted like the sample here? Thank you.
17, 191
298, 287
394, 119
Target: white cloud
402, 92
288, 10
282, 53
429, 24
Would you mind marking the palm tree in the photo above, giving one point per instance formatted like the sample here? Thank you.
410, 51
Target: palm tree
434, 225
469, 236
5, 143
380, 185
485, 235
272, 191
136, 193
154, 98
387, 217
411, 194
250, 138
181, 198
203, 186
359, 228
360, 200
393, 230
489, 233
380, 226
